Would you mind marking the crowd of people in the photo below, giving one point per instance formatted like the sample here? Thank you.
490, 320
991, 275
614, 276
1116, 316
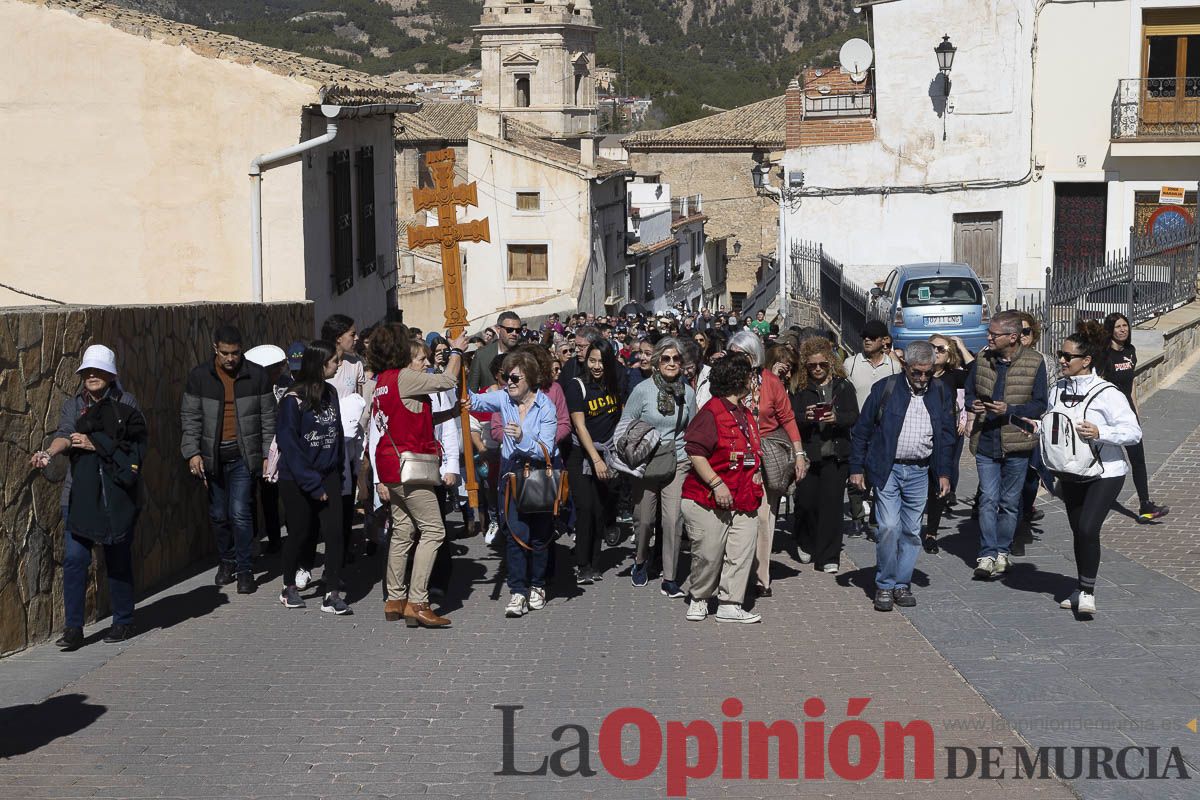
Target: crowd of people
691, 429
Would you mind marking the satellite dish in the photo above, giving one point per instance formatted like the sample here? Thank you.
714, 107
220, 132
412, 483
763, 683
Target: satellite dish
856, 57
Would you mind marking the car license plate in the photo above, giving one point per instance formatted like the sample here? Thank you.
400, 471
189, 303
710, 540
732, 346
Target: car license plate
955, 319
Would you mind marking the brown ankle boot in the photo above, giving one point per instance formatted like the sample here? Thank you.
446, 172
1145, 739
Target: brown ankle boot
394, 610
421, 614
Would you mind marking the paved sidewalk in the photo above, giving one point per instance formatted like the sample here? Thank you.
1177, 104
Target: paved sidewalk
247, 699
1130, 676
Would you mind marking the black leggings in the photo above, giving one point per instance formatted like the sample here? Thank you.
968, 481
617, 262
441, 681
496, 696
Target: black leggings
592, 500
1137, 464
818, 526
308, 518
1087, 505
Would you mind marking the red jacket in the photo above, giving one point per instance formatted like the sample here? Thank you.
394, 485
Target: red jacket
735, 459
405, 431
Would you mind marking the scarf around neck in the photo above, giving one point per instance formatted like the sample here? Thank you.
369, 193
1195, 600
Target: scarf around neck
669, 393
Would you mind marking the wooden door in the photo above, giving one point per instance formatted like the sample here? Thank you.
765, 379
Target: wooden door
1170, 92
977, 240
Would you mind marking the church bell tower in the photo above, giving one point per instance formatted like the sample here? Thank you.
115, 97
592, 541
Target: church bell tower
539, 64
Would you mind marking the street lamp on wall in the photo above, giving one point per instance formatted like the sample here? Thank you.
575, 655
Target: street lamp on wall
759, 174
945, 56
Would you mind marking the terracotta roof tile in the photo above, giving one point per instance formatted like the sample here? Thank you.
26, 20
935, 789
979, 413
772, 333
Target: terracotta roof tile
643, 249
757, 125
334, 84
438, 122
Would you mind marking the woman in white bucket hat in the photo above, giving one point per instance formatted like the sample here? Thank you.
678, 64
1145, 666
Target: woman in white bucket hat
103, 432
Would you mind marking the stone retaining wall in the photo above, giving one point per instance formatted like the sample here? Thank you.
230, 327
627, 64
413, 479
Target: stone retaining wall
40, 349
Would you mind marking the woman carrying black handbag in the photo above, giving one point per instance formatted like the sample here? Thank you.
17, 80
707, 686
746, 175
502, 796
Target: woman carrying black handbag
104, 433
528, 447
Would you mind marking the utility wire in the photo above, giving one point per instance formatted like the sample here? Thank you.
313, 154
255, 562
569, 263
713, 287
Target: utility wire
31, 294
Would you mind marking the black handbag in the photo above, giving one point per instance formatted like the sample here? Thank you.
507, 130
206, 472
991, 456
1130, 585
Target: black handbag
537, 489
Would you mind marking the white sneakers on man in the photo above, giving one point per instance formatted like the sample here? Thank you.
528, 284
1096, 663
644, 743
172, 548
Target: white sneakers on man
537, 598
303, 578
728, 612
1002, 563
985, 567
1082, 602
493, 528
697, 610
518, 605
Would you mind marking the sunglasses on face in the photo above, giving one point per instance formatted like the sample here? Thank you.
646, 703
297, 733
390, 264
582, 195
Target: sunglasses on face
670, 359
510, 330
818, 365
514, 378
920, 373
1027, 331
997, 334
1063, 355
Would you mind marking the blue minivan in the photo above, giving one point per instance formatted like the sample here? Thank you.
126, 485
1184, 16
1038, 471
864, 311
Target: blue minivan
919, 300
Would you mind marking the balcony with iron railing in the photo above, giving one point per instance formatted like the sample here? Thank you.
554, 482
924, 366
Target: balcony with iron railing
1161, 112
826, 102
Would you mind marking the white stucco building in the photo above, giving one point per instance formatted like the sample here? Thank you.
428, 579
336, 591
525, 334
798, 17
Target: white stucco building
668, 258
557, 209
133, 137
1061, 125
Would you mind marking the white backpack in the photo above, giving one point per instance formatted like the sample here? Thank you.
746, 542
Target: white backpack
1063, 451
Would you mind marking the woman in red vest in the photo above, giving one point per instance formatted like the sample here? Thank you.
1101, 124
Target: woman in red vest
722, 494
401, 410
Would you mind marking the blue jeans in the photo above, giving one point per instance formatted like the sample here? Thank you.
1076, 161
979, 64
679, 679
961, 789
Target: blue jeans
899, 505
118, 562
1000, 483
231, 509
526, 567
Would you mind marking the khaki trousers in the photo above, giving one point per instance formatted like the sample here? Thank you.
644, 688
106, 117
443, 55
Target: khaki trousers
649, 498
767, 512
414, 509
722, 549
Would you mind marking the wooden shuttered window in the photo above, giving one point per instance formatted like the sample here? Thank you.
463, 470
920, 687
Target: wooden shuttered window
341, 221
529, 201
528, 262
365, 210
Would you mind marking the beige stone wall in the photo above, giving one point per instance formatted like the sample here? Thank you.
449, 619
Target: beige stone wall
733, 207
40, 348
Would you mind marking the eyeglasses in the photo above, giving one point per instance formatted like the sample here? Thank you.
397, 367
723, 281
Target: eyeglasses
870, 338
1063, 355
665, 359
514, 378
570, 349
941, 348
817, 365
996, 334
919, 373
510, 330
1027, 331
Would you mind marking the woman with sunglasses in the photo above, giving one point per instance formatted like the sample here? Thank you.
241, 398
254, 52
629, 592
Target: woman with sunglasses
594, 401
666, 402
1119, 370
949, 370
1110, 425
530, 423
826, 409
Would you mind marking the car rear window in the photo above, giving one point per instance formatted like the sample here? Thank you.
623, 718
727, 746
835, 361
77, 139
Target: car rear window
938, 291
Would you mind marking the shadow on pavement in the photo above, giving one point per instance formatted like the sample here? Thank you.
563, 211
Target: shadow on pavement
26, 728
169, 611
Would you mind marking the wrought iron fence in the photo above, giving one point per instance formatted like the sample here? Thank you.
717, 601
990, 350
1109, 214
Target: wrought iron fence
1156, 107
819, 278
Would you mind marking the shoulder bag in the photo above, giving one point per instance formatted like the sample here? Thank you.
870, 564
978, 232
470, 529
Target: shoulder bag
416, 469
662, 465
778, 461
536, 489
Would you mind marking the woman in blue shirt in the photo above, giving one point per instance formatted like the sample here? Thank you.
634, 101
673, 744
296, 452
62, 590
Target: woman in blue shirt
530, 422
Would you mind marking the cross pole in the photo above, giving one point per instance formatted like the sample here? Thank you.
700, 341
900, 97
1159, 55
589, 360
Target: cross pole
445, 196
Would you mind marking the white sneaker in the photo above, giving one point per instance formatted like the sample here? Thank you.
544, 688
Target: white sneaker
537, 598
1087, 603
1002, 563
1070, 602
518, 606
830, 568
492, 529
697, 610
728, 612
804, 557
985, 567
303, 578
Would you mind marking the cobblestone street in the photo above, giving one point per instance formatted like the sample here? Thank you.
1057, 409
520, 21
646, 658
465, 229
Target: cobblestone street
224, 695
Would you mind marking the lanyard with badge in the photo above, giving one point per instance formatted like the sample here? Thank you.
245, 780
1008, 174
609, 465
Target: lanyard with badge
747, 458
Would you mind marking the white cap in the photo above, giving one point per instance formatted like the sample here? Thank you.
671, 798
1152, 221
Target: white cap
98, 356
265, 355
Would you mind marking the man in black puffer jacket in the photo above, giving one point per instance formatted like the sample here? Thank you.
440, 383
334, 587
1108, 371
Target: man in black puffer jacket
228, 419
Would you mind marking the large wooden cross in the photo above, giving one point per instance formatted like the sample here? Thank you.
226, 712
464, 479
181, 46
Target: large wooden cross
445, 196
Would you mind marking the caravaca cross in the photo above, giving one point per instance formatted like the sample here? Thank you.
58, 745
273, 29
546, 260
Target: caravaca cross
445, 196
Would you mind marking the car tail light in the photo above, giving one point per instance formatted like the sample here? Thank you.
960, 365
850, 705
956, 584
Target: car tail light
985, 314
898, 320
